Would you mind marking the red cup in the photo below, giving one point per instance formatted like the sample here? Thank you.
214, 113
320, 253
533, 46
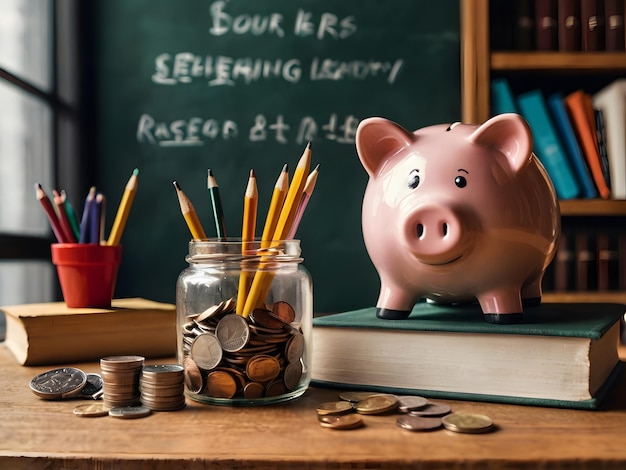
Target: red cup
87, 272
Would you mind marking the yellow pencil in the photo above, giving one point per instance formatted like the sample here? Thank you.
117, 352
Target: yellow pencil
294, 195
123, 210
248, 229
263, 279
189, 214
276, 204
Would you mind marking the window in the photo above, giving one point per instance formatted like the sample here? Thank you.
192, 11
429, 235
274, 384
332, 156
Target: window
39, 137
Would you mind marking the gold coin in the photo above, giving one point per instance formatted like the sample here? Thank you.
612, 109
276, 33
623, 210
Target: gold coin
91, 410
284, 311
334, 408
377, 404
341, 422
355, 397
220, 384
467, 423
262, 368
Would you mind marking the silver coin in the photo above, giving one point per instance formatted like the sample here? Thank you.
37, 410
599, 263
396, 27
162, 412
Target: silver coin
162, 370
56, 384
418, 423
232, 332
129, 412
93, 387
410, 403
432, 409
206, 351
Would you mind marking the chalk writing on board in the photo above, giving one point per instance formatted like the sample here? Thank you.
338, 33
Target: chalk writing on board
197, 131
220, 68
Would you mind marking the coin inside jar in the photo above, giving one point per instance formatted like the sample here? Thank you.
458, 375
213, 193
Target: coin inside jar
232, 332
206, 351
262, 368
284, 311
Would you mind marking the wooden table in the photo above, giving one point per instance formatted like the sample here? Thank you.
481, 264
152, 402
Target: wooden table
45, 434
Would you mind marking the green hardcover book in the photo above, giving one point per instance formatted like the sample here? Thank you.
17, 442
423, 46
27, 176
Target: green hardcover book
562, 355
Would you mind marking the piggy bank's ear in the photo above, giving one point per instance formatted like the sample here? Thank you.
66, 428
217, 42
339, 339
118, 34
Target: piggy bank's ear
510, 134
377, 139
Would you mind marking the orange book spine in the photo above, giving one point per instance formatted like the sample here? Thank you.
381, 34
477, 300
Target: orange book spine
578, 108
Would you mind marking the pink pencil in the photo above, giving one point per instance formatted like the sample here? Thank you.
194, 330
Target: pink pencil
306, 195
52, 216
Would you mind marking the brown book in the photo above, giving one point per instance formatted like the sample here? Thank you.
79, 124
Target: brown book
52, 333
569, 25
524, 27
546, 25
614, 25
592, 25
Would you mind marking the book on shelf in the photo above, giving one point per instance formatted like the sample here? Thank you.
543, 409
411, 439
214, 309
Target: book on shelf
580, 111
592, 25
52, 333
598, 118
546, 25
547, 144
502, 98
611, 101
524, 25
562, 355
614, 25
569, 34
570, 144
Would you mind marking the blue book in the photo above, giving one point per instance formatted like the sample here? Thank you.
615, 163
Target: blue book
548, 147
570, 144
502, 100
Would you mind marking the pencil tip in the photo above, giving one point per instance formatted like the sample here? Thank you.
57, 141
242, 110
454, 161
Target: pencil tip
135, 171
285, 167
252, 175
209, 172
309, 145
175, 183
317, 167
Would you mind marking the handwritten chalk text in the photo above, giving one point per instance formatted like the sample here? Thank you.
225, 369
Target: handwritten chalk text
185, 67
197, 131
306, 24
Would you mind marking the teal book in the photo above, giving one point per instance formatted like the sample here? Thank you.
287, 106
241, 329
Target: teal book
548, 147
562, 355
570, 144
502, 99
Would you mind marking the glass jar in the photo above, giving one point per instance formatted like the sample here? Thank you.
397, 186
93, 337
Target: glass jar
248, 349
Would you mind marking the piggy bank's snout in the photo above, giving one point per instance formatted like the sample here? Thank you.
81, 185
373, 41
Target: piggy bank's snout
434, 234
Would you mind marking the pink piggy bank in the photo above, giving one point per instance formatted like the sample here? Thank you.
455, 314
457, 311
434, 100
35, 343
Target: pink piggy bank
457, 213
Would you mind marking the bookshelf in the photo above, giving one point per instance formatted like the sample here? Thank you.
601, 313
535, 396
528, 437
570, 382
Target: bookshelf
544, 68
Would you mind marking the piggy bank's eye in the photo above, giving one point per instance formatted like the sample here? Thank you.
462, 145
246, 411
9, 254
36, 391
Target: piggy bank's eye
414, 179
460, 181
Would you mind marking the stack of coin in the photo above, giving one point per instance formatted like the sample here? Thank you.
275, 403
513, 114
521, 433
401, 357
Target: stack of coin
162, 387
229, 356
120, 380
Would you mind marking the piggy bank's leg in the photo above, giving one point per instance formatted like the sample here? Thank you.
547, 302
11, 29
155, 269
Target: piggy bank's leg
503, 306
394, 303
531, 293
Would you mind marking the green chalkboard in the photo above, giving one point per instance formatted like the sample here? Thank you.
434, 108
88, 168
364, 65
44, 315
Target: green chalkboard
187, 85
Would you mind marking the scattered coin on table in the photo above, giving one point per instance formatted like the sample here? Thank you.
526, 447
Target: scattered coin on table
129, 412
92, 410
467, 423
56, 384
418, 423
419, 414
